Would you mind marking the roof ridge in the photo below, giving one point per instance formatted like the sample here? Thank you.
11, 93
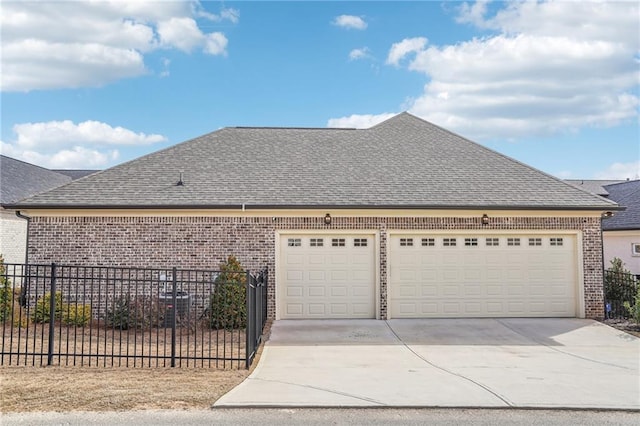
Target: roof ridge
623, 182
290, 128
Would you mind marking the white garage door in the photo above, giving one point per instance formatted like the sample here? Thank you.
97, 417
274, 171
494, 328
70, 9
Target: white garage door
326, 276
442, 276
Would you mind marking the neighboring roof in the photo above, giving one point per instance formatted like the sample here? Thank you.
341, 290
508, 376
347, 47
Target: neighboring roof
626, 194
75, 174
19, 180
594, 186
404, 162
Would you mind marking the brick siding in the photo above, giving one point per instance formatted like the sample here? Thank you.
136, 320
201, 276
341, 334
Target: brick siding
13, 237
204, 242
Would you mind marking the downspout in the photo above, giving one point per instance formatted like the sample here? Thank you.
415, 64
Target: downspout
23, 290
28, 219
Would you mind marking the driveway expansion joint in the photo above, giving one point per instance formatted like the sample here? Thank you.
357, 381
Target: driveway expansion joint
485, 387
362, 398
553, 348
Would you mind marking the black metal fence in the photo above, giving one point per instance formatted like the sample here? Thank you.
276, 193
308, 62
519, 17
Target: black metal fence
619, 288
133, 317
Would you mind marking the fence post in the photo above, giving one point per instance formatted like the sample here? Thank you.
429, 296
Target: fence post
248, 325
52, 314
174, 309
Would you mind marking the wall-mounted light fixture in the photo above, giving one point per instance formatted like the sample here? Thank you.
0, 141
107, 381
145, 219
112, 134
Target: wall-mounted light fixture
485, 219
327, 219
607, 214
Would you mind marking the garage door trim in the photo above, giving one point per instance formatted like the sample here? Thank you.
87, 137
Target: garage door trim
580, 305
373, 234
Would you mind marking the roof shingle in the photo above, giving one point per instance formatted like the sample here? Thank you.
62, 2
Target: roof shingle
626, 194
19, 180
404, 162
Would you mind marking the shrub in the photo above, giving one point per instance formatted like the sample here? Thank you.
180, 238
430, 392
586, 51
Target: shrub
41, 313
6, 294
619, 288
129, 312
634, 310
78, 315
227, 307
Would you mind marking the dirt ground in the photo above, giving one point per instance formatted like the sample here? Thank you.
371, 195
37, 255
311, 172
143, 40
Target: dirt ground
66, 389
624, 325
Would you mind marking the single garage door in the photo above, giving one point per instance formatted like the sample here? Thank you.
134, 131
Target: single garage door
459, 276
326, 276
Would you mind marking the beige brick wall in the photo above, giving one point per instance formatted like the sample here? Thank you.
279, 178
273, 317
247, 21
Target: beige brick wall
13, 237
204, 242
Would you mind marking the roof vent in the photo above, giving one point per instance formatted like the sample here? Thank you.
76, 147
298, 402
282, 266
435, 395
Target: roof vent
180, 182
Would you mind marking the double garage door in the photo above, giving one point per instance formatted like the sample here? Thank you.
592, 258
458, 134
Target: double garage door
429, 276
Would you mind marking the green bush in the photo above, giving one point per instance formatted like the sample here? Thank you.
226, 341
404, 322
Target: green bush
129, 312
78, 315
6, 294
41, 313
619, 283
634, 310
228, 306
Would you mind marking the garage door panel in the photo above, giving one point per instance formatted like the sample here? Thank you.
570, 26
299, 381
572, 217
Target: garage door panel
294, 275
492, 276
494, 290
338, 291
317, 275
339, 275
472, 308
429, 290
428, 275
317, 309
293, 259
315, 291
326, 277
294, 309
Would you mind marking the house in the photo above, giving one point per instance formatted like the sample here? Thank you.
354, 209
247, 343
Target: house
20, 180
401, 220
620, 232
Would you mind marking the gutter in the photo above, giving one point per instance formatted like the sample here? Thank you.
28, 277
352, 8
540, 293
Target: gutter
28, 219
244, 207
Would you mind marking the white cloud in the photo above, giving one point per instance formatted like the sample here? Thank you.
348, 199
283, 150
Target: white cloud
48, 45
226, 14
66, 133
549, 67
216, 44
359, 121
473, 14
350, 22
181, 33
64, 144
407, 46
620, 171
360, 53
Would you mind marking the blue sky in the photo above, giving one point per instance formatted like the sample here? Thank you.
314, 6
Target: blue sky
552, 84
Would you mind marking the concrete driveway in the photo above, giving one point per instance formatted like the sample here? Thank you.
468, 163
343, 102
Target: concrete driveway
546, 363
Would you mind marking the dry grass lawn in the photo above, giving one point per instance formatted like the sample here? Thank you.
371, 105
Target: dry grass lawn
66, 389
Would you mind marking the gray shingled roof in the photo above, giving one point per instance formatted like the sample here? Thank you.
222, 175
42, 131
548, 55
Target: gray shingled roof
20, 180
626, 194
404, 162
594, 186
